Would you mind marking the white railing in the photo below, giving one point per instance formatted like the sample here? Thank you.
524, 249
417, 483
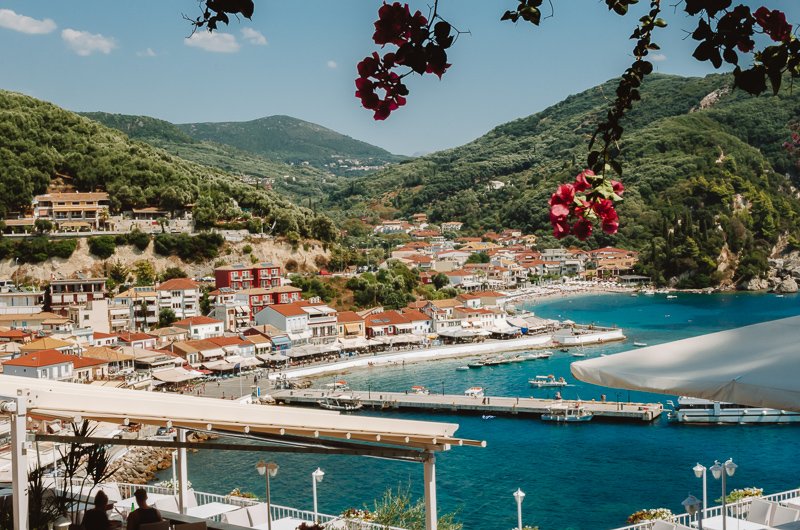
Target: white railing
737, 509
277, 511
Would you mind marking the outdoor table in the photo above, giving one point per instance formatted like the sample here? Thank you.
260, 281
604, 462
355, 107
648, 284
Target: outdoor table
794, 502
204, 511
795, 525
715, 523
125, 504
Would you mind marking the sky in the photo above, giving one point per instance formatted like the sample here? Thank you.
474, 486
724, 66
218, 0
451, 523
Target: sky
299, 59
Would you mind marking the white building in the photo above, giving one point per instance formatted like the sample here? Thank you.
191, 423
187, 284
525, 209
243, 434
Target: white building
181, 295
201, 327
14, 302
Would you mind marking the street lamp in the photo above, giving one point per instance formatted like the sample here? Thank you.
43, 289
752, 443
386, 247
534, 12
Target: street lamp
519, 495
316, 476
700, 472
267, 469
721, 471
692, 506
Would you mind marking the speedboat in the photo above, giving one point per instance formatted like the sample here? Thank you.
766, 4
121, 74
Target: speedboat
567, 415
495, 361
338, 385
578, 354
462, 368
543, 381
517, 359
420, 390
544, 355
696, 410
640, 344
671, 296
474, 391
341, 402
476, 364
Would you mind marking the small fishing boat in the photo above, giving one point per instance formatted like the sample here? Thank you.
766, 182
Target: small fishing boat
564, 350
567, 415
341, 402
544, 381
487, 417
516, 359
778, 296
578, 354
474, 391
671, 296
338, 385
640, 344
476, 364
495, 361
462, 368
544, 355
420, 390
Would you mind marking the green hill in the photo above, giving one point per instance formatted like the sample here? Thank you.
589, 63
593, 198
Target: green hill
698, 179
39, 140
300, 183
295, 142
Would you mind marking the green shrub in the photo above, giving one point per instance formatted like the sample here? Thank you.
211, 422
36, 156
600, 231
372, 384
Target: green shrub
102, 246
139, 239
247, 249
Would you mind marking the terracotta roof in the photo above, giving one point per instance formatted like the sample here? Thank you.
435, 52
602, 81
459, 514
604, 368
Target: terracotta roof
178, 284
105, 353
133, 337
348, 316
413, 315
96, 196
46, 343
196, 321
226, 341
41, 358
14, 334
290, 310
83, 362
101, 335
166, 332
387, 318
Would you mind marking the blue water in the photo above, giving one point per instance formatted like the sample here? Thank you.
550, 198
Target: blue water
585, 477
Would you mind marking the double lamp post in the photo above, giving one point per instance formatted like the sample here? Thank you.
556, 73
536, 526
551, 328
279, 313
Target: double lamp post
270, 470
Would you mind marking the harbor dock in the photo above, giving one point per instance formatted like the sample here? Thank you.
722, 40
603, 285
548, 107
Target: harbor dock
491, 405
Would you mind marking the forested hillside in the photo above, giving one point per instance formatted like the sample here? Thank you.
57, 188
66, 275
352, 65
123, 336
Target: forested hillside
292, 141
697, 178
39, 140
300, 183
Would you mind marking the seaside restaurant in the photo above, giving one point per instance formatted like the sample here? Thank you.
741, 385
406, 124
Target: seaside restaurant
268, 429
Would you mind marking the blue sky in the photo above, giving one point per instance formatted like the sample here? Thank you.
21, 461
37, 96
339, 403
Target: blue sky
298, 58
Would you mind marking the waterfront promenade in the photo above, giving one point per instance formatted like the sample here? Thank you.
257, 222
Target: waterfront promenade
491, 405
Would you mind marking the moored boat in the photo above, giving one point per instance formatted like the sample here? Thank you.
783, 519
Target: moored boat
696, 410
567, 415
544, 381
476, 364
341, 402
338, 385
420, 390
578, 354
474, 391
462, 368
640, 344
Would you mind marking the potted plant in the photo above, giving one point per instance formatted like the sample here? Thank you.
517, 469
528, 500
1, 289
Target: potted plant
651, 514
739, 499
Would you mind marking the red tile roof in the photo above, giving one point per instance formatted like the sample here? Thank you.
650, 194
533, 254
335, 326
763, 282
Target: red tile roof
41, 358
387, 318
84, 362
101, 335
348, 316
14, 334
196, 321
134, 337
178, 284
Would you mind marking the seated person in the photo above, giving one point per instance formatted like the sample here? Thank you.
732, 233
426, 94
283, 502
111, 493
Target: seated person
97, 518
144, 514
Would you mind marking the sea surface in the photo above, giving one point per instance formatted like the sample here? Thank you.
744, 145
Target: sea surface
577, 477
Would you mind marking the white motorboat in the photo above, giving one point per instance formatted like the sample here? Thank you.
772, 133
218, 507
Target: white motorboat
462, 368
567, 415
578, 354
545, 381
341, 402
338, 385
695, 410
671, 296
474, 391
420, 390
640, 344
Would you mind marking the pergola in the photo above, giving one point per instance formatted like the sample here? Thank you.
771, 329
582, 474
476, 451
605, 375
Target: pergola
280, 429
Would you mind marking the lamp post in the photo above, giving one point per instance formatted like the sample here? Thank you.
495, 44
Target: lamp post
700, 472
267, 469
519, 495
692, 505
721, 471
316, 477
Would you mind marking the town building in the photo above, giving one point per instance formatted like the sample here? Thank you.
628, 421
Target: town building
235, 317
201, 327
303, 321
21, 302
73, 211
45, 364
181, 295
142, 304
349, 324
259, 297
63, 294
238, 277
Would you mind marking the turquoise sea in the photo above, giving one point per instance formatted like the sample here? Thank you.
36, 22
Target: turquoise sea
587, 477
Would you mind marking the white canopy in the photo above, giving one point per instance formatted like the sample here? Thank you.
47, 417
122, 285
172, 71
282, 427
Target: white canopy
757, 365
69, 400
176, 375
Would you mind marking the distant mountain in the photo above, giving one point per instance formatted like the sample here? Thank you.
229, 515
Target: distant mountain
710, 190
294, 141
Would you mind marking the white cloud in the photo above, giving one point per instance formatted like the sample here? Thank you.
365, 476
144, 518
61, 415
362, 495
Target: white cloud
254, 37
84, 43
23, 24
658, 57
213, 42
332, 64
149, 52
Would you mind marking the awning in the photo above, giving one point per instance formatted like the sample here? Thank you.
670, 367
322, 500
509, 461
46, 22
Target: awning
280, 340
215, 352
59, 399
175, 375
249, 362
352, 328
303, 351
303, 335
757, 365
328, 348
271, 358
219, 366
233, 359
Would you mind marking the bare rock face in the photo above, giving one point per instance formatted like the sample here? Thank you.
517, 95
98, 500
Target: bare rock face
756, 284
787, 285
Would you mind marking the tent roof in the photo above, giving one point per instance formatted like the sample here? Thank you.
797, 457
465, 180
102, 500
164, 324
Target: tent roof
757, 365
69, 400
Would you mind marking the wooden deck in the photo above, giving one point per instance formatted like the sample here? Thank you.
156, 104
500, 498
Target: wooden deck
492, 405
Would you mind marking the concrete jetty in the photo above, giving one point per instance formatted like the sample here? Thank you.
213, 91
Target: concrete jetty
491, 405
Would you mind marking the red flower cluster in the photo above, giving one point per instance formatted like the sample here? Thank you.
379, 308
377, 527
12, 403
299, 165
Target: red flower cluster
419, 47
774, 24
574, 214
375, 73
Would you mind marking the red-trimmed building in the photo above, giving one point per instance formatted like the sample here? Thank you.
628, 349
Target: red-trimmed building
259, 298
239, 276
